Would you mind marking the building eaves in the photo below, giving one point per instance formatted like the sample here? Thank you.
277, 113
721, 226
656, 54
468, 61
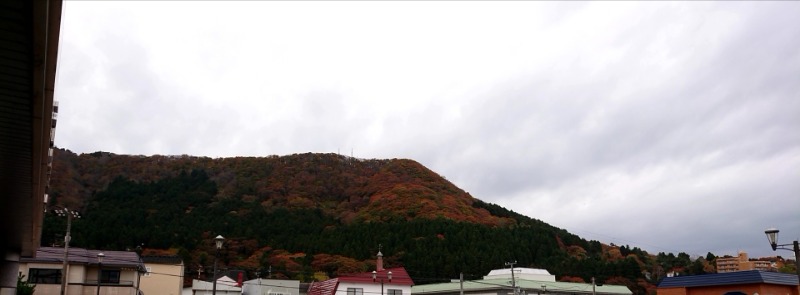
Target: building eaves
500, 284
730, 278
122, 259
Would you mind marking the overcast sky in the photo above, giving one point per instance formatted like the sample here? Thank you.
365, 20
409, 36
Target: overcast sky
673, 127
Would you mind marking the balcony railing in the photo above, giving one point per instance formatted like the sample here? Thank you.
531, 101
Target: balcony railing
120, 284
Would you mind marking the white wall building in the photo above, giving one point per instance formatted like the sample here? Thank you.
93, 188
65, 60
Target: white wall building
529, 281
384, 281
119, 272
225, 286
271, 287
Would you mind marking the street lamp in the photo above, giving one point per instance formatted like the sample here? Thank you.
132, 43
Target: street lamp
100, 257
218, 243
772, 236
67, 237
375, 278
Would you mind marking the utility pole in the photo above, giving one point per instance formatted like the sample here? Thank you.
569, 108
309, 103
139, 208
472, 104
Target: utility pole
593, 283
65, 267
461, 280
513, 280
260, 288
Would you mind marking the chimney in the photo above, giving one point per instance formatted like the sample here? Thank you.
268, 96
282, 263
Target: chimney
379, 264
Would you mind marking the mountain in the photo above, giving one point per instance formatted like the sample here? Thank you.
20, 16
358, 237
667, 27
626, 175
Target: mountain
313, 216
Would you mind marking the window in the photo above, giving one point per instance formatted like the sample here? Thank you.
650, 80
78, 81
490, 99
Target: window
44, 276
395, 292
355, 291
109, 276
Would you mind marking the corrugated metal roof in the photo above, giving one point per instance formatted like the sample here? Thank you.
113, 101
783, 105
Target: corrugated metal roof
84, 256
499, 284
327, 287
730, 278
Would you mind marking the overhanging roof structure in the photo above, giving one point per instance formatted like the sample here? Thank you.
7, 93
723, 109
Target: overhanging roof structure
525, 285
121, 259
28, 52
730, 278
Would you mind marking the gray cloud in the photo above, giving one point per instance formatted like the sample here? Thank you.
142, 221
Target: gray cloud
668, 126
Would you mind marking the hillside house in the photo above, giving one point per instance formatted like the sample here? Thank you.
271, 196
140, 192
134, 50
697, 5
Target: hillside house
118, 273
384, 281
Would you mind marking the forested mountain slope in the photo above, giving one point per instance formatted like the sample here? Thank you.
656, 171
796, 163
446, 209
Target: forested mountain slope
312, 216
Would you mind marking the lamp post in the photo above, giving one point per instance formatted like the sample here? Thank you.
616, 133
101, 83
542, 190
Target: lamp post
100, 257
218, 243
67, 237
375, 278
772, 236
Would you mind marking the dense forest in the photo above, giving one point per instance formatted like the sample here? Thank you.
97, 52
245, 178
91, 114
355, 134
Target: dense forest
314, 216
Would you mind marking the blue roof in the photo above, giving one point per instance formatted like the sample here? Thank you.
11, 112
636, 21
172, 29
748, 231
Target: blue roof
731, 278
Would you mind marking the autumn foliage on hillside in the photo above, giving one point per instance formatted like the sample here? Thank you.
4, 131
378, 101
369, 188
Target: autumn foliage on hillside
347, 188
314, 216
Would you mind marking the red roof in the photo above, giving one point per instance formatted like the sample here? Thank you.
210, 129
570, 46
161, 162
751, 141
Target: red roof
399, 278
323, 288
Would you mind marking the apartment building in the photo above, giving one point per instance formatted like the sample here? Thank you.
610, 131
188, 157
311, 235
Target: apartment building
741, 263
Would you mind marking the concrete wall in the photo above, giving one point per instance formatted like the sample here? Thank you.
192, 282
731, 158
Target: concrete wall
163, 279
77, 284
75, 272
